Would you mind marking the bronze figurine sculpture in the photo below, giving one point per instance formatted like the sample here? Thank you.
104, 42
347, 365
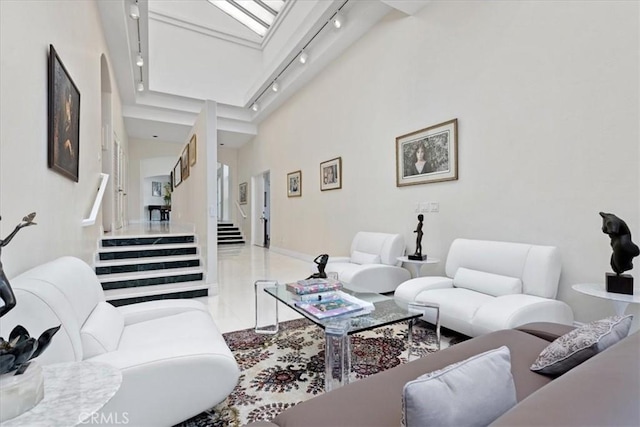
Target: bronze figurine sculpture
624, 250
417, 256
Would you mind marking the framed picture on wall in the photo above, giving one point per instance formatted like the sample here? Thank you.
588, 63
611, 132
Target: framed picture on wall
171, 181
242, 194
428, 155
156, 189
331, 174
192, 150
294, 184
64, 119
177, 173
185, 162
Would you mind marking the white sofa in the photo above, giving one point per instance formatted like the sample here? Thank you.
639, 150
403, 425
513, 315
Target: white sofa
372, 265
174, 361
491, 286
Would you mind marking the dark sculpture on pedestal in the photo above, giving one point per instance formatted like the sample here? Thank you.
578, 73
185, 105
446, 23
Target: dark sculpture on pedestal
20, 348
417, 256
321, 261
624, 250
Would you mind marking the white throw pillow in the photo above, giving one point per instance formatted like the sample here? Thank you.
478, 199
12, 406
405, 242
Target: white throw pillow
474, 392
358, 257
487, 283
102, 330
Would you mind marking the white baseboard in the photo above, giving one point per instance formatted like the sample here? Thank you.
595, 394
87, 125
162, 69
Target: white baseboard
292, 254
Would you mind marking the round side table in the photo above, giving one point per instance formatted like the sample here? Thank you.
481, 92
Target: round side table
73, 392
415, 266
619, 301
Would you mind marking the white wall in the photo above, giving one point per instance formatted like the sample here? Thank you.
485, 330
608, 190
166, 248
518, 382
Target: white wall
194, 200
26, 183
147, 158
546, 95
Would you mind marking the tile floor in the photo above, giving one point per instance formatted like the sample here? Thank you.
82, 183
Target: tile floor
239, 266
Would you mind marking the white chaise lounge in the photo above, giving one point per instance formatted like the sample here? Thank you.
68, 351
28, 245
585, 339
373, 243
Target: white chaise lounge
174, 361
491, 286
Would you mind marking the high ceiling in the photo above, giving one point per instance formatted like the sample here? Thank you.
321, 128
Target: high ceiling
193, 51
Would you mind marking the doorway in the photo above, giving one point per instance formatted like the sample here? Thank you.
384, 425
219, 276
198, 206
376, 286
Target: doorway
261, 209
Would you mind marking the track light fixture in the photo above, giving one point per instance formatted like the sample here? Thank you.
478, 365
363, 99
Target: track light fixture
304, 57
255, 106
134, 11
275, 87
338, 20
140, 86
139, 60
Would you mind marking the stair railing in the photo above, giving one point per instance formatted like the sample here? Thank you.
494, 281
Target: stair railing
244, 215
96, 204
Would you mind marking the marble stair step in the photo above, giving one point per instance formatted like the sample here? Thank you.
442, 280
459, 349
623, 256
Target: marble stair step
193, 289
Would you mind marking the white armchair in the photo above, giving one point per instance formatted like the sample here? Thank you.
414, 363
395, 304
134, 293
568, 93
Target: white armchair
491, 286
174, 361
373, 263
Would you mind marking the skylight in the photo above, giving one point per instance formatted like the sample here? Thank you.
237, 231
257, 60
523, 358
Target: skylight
257, 15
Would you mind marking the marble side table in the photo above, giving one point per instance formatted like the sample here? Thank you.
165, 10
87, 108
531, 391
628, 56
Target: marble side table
415, 266
619, 301
72, 393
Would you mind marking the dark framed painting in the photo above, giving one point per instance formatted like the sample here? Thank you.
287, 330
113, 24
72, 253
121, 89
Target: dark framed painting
331, 174
64, 119
185, 162
294, 184
177, 173
428, 155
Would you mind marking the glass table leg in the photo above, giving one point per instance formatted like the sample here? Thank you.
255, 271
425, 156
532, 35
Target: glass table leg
266, 308
430, 313
337, 355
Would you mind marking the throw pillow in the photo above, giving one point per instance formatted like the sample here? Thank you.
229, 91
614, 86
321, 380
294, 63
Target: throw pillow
573, 348
358, 257
473, 392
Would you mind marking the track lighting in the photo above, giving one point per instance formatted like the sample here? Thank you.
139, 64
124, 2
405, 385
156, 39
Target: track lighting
304, 57
140, 86
139, 60
338, 20
134, 11
255, 106
275, 87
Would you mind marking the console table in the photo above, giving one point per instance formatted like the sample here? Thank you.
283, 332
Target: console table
619, 301
73, 392
415, 266
163, 209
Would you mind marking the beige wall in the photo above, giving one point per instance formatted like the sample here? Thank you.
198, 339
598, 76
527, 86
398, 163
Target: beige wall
26, 184
546, 95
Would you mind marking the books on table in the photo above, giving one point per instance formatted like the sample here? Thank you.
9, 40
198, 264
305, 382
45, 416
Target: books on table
313, 286
337, 305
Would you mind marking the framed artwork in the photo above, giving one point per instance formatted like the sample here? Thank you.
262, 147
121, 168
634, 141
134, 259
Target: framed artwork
171, 182
331, 174
428, 155
185, 162
192, 150
242, 194
156, 188
64, 119
177, 173
294, 184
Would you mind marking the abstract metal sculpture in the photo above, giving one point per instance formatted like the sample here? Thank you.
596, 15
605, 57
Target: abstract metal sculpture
624, 250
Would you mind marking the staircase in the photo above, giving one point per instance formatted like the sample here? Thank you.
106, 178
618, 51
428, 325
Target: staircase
229, 234
135, 269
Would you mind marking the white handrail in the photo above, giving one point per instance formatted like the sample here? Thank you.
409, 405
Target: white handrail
96, 204
244, 215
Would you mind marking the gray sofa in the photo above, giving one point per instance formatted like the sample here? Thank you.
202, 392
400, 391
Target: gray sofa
602, 391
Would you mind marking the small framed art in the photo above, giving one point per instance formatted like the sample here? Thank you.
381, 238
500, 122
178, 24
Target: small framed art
331, 174
177, 173
185, 162
294, 184
156, 189
242, 194
192, 150
428, 155
64, 119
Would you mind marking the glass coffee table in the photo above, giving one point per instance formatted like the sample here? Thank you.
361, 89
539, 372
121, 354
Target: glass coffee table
337, 329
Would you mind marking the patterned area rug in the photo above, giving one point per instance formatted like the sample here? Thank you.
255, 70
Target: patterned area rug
282, 370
